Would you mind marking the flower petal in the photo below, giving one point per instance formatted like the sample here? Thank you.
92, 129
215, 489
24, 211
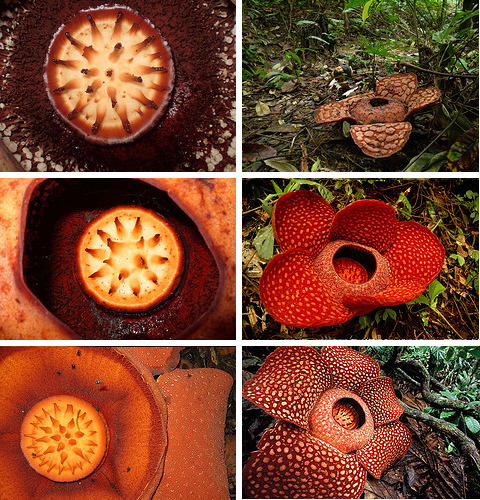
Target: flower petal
369, 222
336, 111
289, 383
301, 219
293, 464
350, 369
416, 253
380, 140
397, 86
380, 398
422, 98
294, 295
395, 294
388, 444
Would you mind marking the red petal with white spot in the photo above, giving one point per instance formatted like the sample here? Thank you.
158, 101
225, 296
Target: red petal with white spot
416, 253
289, 383
395, 294
294, 295
302, 219
369, 222
388, 444
379, 396
399, 87
422, 98
350, 369
293, 464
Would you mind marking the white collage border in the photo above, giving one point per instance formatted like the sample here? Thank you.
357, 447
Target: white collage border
239, 176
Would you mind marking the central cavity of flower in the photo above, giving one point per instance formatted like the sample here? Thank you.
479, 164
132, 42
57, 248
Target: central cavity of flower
109, 74
129, 259
342, 419
346, 414
351, 269
64, 438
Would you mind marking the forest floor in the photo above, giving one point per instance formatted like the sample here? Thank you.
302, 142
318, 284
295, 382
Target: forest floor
284, 84
442, 205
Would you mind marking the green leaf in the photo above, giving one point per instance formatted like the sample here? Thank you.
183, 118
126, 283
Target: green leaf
475, 352
472, 424
448, 394
434, 289
370, 6
447, 414
263, 242
325, 193
281, 166
419, 300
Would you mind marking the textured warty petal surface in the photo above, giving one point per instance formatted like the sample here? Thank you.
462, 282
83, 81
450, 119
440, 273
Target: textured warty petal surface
379, 396
380, 140
416, 253
397, 86
339, 110
350, 369
294, 295
388, 444
368, 222
289, 383
422, 98
302, 219
293, 464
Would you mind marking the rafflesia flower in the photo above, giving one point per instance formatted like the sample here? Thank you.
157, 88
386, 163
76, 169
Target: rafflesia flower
339, 420
337, 266
381, 129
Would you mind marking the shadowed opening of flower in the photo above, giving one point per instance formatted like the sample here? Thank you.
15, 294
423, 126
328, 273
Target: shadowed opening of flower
381, 128
337, 266
338, 421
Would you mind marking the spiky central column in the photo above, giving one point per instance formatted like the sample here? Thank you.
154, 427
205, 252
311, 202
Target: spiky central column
109, 74
129, 259
64, 438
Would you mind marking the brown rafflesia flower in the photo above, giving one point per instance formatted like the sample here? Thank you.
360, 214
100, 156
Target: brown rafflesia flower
381, 128
339, 420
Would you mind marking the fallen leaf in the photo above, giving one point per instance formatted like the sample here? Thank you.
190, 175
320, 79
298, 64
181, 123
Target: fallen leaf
262, 109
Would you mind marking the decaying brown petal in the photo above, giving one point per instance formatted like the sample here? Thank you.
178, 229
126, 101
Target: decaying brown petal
339, 110
422, 98
380, 140
399, 87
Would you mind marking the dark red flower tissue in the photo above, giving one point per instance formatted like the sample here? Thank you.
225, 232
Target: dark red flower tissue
338, 421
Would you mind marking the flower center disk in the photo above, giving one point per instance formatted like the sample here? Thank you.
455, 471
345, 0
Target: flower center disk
109, 74
129, 259
64, 438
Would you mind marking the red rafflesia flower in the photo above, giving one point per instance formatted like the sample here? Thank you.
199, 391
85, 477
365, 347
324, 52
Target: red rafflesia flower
339, 420
337, 266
